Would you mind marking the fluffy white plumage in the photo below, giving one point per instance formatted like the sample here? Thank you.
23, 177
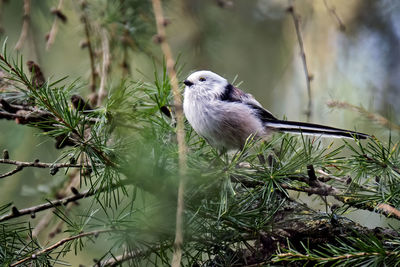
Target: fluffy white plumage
226, 116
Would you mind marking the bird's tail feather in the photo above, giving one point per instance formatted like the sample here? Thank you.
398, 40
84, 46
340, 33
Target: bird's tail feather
312, 129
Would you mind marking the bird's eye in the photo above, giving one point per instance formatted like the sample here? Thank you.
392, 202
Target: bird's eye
202, 79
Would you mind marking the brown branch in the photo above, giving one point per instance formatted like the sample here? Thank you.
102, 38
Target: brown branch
51, 37
105, 68
18, 169
21, 165
55, 203
85, 21
38, 164
59, 244
332, 11
161, 38
308, 76
25, 25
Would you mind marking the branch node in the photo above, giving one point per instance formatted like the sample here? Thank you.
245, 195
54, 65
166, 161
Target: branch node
54, 170
6, 155
74, 190
36, 163
15, 211
311, 173
158, 38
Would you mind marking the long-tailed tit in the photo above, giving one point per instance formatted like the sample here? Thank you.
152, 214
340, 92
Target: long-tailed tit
226, 116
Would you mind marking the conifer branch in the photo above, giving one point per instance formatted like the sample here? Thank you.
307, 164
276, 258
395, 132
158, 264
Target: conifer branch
59, 244
51, 204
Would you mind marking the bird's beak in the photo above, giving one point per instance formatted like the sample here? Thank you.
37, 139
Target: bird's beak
188, 83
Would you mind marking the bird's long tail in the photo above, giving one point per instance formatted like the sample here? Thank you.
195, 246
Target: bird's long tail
312, 129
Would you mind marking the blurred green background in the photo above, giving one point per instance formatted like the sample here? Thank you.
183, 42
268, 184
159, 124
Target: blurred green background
253, 41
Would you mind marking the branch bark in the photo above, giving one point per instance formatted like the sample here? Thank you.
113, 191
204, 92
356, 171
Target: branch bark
180, 132
57, 245
51, 204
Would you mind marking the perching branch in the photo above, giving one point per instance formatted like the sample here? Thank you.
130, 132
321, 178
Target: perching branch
17, 169
37, 164
180, 131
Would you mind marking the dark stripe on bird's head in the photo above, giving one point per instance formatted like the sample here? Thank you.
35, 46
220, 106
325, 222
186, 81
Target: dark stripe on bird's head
227, 94
188, 83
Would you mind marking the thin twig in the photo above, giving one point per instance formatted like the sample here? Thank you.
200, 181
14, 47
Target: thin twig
105, 68
161, 37
51, 37
39, 164
85, 21
25, 25
55, 203
308, 76
18, 169
59, 244
332, 11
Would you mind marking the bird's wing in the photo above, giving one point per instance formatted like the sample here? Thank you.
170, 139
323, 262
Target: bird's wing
233, 94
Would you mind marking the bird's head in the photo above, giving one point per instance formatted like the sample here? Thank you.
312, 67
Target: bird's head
205, 83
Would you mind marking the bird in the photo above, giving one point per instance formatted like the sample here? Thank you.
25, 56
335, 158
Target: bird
225, 116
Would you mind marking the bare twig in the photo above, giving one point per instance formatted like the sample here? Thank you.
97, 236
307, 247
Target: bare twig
308, 76
161, 38
51, 37
389, 210
18, 169
25, 25
85, 21
55, 203
105, 66
59, 244
323, 189
332, 11
38, 164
